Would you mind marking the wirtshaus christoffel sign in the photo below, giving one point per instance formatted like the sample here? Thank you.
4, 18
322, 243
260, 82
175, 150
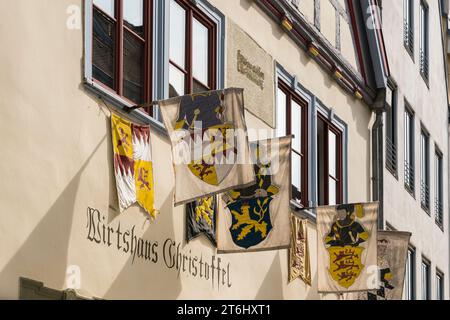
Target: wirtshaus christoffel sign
167, 252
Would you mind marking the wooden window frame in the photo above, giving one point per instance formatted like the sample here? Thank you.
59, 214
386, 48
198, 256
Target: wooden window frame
291, 95
191, 13
425, 263
425, 176
118, 51
408, 27
424, 35
440, 291
392, 134
409, 174
339, 161
439, 187
410, 273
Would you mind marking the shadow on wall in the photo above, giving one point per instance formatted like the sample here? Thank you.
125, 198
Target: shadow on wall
43, 256
144, 279
272, 285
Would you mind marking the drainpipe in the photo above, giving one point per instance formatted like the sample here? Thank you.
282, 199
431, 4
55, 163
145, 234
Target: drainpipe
378, 107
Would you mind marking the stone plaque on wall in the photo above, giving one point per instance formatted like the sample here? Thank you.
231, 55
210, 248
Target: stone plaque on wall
251, 68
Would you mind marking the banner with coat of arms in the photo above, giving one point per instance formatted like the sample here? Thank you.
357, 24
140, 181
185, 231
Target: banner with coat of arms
392, 254
347, 248
133, 164
257, 217
201, 219
210, 150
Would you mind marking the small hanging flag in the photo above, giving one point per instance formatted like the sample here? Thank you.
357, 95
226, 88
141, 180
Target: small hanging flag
133, 165
299, 263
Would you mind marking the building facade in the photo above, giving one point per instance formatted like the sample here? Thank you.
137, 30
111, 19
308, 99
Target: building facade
312, 68
416, 142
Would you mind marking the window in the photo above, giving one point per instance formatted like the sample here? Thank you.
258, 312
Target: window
424, 40
425, 280
121, 48
439, 285
410, 285
329, 162
292, 118
409, 151
192, 50
424, 171
438, 188
391, 134
408, 26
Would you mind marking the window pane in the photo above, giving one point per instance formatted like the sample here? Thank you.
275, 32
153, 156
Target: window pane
133, 15
106, 5
296, 126
104, 41
296, 176
332, 154
281, 113
176, 82
133, 67
332, 191
200, 52
177, 34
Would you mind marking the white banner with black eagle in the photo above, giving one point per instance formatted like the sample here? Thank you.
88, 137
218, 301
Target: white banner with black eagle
258, 217
347, 248
210, 150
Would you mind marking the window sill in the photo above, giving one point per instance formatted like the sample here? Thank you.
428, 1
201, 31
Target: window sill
119, 103
304, 213
440, 225
410, 191
425, 79
393, 172
410, 52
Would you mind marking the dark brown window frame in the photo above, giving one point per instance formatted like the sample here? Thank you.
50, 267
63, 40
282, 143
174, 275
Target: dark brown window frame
291, 95
191, 13
118, 50
339, 161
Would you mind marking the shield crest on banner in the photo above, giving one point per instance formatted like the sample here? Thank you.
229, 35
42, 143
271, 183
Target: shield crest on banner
250, 221
345, 264
207, 133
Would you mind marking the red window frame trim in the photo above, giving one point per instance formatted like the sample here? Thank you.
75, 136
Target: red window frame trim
339, 161
118, 53
191, 13
292, 95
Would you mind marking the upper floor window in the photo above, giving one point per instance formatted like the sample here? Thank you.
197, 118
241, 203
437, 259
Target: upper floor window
192, 49
410, 283
408, 25
438, 189
391, 134
409, 151
439, 285
426, 290
424, 39
329, 162
121, 48
292, 118
425, 170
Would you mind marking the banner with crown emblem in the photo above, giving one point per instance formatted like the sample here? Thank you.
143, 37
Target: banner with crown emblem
133, 164
299, 263
201, 219
392, 254
210, 150
347, 248
257, 217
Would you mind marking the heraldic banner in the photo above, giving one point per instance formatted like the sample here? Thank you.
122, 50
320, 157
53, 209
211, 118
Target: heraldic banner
347, 248
299, 263
201, 219
392, 253
258, 217
133, 165
210, 150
